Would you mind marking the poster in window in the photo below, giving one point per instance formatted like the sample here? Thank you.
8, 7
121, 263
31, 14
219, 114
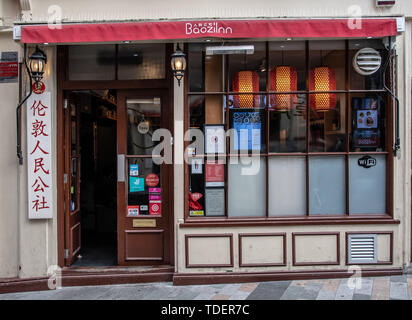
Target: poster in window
248, 126
215, 201
215, 174
215, 139
366, 131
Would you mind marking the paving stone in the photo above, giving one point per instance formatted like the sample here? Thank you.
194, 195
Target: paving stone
365, 288
269, 290
326, 295
381, 288
344, 292
220, 297
229, 289
204, 296
402, 278
239, 295
398, 291
358, 296
248, 287
331, 285
293, 293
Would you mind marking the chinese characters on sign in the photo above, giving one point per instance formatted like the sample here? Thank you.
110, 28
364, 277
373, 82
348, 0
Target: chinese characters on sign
39, 156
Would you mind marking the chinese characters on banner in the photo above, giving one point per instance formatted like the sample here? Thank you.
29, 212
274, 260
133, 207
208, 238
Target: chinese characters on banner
39, 161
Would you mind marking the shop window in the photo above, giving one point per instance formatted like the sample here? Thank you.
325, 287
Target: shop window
327, 122
327, 195
287, 186
117, 62
141, 61
308, 148
92, 62
328, 55
370, 61
367, 181
247, 187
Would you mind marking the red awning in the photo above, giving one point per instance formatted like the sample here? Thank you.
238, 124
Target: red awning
226, 29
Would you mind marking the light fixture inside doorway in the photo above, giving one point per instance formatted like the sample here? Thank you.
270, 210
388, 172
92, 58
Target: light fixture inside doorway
178, 64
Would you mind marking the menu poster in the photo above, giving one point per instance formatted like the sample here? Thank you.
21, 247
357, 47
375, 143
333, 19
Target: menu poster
215, 139
215, 174
366, 131
215, 201
248, 126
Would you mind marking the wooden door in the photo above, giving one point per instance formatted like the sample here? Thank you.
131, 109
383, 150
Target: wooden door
144, 186
72, 214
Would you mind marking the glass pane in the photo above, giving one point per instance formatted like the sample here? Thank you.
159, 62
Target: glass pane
368, 122
287, 66
141, 61
248, 123
92, 62
327, 185
287, 186
366, 82
196, 187
205, 71
329, 54
327, 128
247, 72
367, 184
143, 118
144, 190
247, 187
287, 131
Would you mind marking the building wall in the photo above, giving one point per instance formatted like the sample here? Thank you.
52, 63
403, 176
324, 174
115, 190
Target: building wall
33, 244
162, 9
9, 93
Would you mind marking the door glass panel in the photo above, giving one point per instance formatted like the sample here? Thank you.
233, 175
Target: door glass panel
144, 188
143, 118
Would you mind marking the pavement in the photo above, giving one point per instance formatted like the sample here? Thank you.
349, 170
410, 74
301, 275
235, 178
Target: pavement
377, 288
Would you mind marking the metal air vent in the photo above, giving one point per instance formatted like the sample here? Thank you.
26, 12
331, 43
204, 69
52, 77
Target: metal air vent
367, 61
362, 248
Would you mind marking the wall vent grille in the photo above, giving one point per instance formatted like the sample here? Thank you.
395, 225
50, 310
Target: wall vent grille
362, 248
367, 61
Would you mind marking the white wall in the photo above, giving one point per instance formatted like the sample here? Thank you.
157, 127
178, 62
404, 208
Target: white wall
9, 93
159, 9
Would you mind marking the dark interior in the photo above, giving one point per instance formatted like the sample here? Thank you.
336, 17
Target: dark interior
98, 194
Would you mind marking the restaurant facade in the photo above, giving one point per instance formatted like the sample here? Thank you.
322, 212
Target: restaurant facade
203, 143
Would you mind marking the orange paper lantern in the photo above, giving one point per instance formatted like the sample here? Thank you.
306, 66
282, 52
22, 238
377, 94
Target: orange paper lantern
283, 78
245, 81
322, 79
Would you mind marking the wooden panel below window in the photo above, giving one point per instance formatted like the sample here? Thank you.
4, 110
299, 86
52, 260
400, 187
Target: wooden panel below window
312, 249
144, 245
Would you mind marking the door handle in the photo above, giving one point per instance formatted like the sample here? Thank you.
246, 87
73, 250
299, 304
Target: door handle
120, 167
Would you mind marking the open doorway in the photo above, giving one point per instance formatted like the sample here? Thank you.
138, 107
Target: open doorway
93, 182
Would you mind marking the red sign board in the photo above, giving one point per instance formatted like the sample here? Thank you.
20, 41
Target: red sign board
9, 69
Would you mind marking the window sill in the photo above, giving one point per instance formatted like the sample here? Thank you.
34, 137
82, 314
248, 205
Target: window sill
202, 222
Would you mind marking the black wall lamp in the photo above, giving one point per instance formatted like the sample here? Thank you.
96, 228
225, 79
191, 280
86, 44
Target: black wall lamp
178, 63
35, 71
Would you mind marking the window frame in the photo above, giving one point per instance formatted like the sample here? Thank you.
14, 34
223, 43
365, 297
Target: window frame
347, 218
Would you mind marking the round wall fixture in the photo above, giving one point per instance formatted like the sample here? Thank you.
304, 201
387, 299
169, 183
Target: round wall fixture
367, 61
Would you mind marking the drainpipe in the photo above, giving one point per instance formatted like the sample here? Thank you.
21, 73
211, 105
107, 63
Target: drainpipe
397, 144
18, 119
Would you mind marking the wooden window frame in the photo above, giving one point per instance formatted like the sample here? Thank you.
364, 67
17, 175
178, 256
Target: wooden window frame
307, 219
